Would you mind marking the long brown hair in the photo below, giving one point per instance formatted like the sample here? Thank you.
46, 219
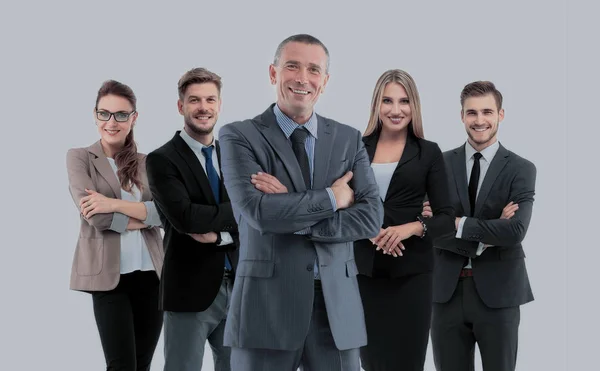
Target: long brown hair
127, 159
404, 79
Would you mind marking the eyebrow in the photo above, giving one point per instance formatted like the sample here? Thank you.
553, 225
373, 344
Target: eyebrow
401, 98
313, 65
197, 97
120, 111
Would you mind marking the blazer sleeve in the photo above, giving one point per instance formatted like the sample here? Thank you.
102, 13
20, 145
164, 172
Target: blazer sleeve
172, 199
363, 219
507, 232
78, 171
442, 221
281, 213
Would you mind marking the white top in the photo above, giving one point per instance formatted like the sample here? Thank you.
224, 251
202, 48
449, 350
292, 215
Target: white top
383, 176
487, 155
134, 252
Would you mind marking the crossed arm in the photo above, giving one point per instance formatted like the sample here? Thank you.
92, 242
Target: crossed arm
508, 230
268, 206
102, 212
201, 222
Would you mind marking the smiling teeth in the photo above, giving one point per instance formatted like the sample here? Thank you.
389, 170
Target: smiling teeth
202, 117
300, 91
480, 130
112, 131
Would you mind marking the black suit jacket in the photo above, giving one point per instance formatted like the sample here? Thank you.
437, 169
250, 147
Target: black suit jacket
419, 172
192, 272
499, 272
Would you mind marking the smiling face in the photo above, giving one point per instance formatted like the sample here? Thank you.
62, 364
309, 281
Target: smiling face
481, 117
112, 132
300, 77
394, 111
200, 108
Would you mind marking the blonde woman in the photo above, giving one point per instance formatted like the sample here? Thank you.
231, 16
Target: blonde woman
395, 267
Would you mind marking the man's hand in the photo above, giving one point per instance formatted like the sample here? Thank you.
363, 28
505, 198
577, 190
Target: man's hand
95, 203
267, 183
210, 237
344, 195
427, 213
509, 210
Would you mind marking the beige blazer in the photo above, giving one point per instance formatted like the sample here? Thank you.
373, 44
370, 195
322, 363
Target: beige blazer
96, 263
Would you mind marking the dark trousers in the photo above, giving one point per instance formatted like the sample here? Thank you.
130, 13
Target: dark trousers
129, 322
398, 317
465, 320
318, 354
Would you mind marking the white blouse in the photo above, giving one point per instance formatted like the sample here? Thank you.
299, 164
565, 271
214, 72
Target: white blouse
134, 252
383, 176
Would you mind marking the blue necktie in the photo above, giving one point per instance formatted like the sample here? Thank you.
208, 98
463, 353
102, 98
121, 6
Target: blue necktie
213, 179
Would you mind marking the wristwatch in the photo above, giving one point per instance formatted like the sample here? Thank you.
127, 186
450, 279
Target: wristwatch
219, 240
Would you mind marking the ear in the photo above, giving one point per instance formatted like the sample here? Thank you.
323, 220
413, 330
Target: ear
272, 74
180, 106
324, 83
501, 115
134, 118
462, 115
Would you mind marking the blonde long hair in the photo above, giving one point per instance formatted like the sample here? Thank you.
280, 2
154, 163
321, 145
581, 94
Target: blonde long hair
404, 79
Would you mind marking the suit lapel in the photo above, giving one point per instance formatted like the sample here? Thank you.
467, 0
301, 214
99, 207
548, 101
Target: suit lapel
104, 169
498, 163
459, 167
411, 150
223, 190
273, 134
189, 157
323, 148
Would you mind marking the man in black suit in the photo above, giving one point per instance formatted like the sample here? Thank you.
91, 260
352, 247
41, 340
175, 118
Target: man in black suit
200, 230
480, 278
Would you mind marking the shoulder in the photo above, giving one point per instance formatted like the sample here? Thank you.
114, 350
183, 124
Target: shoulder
341, 130
521, 162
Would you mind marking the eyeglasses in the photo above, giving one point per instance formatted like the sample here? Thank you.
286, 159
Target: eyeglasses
119, 116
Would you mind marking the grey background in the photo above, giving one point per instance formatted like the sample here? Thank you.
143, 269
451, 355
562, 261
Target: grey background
56, 54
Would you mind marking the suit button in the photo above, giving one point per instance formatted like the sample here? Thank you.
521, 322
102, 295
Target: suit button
309, 267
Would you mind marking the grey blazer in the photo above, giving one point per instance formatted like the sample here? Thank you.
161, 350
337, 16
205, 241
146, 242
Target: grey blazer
96, 263
500, 273
272, 299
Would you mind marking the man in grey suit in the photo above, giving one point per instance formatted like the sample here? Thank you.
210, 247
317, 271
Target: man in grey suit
302, 191
480, 279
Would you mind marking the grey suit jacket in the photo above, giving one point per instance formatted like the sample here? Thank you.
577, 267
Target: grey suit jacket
272, 299
96, 262
499, 273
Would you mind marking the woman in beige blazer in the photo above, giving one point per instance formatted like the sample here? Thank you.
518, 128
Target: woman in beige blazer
118, 256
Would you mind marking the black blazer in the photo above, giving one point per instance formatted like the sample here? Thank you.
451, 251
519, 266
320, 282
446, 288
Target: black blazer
499, 273
192, 272
419, 173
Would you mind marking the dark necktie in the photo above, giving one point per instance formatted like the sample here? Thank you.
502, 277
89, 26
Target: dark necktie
298, 138
213, 180
474, 181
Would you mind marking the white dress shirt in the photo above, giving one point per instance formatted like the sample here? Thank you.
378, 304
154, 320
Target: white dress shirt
487, 155
197, 149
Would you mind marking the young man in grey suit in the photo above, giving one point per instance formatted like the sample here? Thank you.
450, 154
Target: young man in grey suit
302, 191
480, 279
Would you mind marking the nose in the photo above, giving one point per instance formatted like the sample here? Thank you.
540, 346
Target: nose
302, 76
395, 108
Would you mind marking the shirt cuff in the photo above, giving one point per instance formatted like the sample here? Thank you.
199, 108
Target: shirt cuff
152, 217
304, 231
459, 230
226, 239
480, 248
332, 198
119, 223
